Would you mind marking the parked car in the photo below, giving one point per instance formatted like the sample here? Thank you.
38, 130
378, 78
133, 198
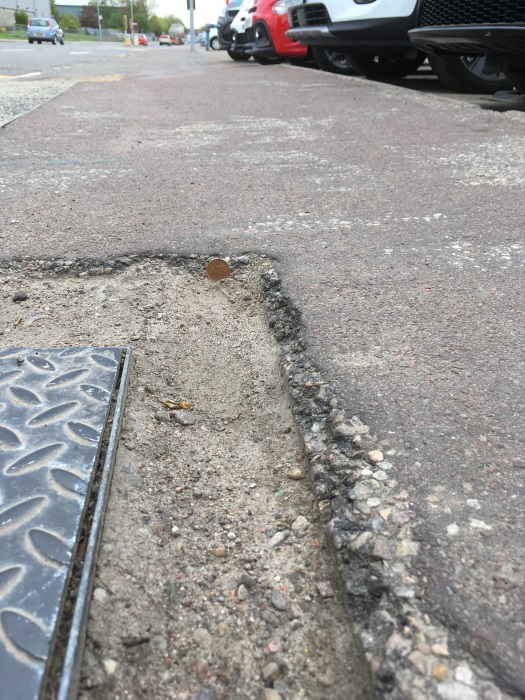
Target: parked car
214, 39
241, 42
491, 27
374, 35
41, 29
268, 23
164, 40
142, 39
223, 28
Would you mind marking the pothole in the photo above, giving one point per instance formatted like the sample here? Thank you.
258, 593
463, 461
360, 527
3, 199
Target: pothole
214, 579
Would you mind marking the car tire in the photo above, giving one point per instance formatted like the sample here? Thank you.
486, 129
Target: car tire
214, 43
30, 41
385, 67
333, 61
464, 74
516, 76
237, 56
62, 41
39, 41
54, 40
265, 60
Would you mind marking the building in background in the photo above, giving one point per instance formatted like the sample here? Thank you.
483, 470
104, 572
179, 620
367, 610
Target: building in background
34, 8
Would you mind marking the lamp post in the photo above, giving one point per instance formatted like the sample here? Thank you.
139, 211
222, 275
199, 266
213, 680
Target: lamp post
99, 27
132, 23
191, 7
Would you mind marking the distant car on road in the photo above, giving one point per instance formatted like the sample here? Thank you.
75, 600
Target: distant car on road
42, 29
142, 39
164, 39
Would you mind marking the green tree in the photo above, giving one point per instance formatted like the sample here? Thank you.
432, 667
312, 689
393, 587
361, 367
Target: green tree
54, 11
70, 21
88, 16
143, 21
157, 25
21, 17
114, 20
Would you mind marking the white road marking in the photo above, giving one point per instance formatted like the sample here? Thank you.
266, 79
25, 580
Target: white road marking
13, 50
16, 77
76, 53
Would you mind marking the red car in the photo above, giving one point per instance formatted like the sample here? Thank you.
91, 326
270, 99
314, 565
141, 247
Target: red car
143, 40
268, 24
270, 44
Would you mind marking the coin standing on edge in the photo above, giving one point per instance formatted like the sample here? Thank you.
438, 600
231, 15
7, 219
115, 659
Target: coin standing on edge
218, 269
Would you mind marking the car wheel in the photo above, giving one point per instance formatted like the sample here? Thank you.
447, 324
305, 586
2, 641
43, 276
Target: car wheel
39, 41
265, 60
62, 41
516, 75
214, 43
54, 40
385, 67
30, 41
333, 61
236, 56
465, 74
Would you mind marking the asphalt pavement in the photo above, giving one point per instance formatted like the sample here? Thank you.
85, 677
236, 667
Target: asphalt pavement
396, 221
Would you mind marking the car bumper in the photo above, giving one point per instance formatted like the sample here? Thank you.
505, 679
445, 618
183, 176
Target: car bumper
369, 36
275, 45
243, 43
41, 36
506, 41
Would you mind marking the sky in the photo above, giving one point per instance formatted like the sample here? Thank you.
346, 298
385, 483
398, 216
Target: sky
206, 11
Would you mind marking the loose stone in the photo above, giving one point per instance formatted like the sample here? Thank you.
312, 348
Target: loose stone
184, 417
439, 650
242, 592
279, 601
456, 691
270, 670
162, 416
463, 674
110, 666
300, 525
375, 456
440, 672
220, 552
325, 589
279, 538
20, 296
269, 694
296, 474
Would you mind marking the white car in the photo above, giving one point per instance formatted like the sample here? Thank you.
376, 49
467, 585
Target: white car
374, 35
240, 23
164, 39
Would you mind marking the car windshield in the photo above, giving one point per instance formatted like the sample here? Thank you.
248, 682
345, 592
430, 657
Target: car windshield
39, 22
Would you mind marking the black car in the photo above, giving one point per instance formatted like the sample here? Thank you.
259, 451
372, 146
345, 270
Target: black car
492, 27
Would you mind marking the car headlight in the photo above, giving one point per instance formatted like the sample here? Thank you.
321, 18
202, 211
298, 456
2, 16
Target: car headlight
281, 6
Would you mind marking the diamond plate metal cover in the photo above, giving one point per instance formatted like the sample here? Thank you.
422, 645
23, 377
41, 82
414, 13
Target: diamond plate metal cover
54, 405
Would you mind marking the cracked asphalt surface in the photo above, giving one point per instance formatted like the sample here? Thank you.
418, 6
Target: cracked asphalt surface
396, 220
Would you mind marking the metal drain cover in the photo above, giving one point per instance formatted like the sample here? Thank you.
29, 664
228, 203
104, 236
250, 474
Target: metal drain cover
54, 406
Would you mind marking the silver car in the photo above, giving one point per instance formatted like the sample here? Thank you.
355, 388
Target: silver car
42, 29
